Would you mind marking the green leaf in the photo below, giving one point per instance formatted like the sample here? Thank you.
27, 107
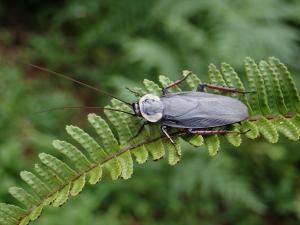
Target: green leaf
174, 151
36, 212
296, 121
23, 196
6, 220
107, 138
276, 87
232, 79
288, 86
193, 81
63, 171
87, 142
35, 183
152, 87
48, 176
156, 148
267, 129
124, 133
257, 84
287, 128
251, 129
270, 84
77, 185
12, 211
25, 221
216, 77
95, 175
62, 196
195, 140
234, 138
74, 155
109, 141
213, 144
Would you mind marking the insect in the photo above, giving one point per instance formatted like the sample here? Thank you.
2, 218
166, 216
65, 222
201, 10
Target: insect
197, 112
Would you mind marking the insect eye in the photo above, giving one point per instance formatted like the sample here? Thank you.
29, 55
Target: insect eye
149, 101
150, 113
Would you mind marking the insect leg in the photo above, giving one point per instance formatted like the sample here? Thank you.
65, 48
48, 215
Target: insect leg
165, 132
140, 130
211, 132
222, 88
166, 89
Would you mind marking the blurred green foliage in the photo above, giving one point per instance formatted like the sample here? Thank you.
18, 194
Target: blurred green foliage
114, 44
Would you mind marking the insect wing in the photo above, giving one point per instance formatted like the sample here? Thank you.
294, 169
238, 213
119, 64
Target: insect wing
201, 110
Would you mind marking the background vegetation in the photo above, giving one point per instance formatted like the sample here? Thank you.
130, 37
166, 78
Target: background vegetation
114, 44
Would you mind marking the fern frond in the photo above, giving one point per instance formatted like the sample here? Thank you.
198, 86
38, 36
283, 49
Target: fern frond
274, 108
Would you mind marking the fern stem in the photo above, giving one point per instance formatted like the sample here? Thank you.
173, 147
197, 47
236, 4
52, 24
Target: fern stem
130, 148
269, 117
94, 165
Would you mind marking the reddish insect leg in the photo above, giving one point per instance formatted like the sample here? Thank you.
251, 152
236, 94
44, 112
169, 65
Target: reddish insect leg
221, 88
211, 132
166, 89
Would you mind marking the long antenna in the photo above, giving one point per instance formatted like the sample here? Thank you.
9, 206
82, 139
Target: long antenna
82, 107
77, 81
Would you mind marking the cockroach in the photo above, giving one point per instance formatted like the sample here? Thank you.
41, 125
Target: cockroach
197, 112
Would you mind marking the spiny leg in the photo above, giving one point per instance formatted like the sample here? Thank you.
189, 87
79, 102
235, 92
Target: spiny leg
201, 88
166, 89
212, 132
165, 132
140, 130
